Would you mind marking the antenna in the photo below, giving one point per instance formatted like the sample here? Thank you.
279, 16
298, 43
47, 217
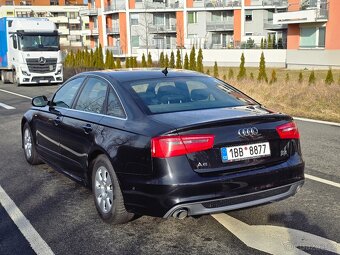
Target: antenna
165, 71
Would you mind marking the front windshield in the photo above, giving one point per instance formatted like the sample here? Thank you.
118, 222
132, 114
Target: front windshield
39, 42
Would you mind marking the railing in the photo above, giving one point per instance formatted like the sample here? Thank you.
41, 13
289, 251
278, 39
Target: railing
112, 30
115, 50
115, 6
277, 3
268, 24
226, 25
88, 12
222, 3
94, 31
162, 29
147, 4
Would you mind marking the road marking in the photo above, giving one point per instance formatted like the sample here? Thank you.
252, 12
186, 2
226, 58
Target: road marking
16, 94
32, 236
274, 239
318, 121
8, 107
314, 178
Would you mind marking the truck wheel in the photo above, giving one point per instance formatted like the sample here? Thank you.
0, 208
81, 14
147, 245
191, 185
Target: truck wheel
107, 194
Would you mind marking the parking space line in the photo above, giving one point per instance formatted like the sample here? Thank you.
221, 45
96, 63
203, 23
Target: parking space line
314, 178
318, 121
16, 94
32, 236
8, 107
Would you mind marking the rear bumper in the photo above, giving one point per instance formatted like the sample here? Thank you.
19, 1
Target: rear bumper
202, 194
237, 202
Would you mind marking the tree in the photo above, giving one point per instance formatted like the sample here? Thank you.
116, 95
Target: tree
127, 62
215, 70
143, 61
178, 60
287, 78
208, 72
134, 62
172, 60
274, 41
118, 63
230, 74
186, 61
149, 63
251, 76
262, 43
300, 77
273, 79
99, 58
166, 61
311, 79
192, 64
107, 59
329, 78
265, 44
92, 60
270, 42
200, 61
161, 59
242, 73
262, 70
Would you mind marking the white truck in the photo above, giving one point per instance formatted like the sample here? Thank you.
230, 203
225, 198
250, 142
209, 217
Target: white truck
29, 51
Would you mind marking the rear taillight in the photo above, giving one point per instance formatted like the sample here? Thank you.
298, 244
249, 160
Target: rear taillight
288, 131
171, 146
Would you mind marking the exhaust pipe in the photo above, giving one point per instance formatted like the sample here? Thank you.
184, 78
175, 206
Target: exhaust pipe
180, 214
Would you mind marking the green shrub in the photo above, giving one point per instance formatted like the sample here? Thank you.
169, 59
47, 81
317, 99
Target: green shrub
149, 63
311, 79
242, 73
300, 80
262, 70
329, 78
192, 63
230, 74
200, 61
172, 60
178, 59
161, 60
273, 79
186, 61
143, 61
215, 70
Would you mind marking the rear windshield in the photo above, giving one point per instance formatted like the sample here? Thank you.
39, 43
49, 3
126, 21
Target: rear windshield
186, 94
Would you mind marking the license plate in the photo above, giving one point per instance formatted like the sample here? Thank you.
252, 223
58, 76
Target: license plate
43, 81
243, 152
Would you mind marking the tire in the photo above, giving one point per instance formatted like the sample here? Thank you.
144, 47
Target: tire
30, 152
105, 185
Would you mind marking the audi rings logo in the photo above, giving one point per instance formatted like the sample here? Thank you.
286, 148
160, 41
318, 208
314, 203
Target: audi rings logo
42, 60
246, 132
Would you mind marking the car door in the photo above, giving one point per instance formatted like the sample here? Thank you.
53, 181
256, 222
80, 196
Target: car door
47, 121
80, 124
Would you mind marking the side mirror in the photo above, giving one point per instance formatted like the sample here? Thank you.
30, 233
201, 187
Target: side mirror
40, 101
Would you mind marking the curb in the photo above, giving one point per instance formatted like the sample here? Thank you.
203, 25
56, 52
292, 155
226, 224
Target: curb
318, 121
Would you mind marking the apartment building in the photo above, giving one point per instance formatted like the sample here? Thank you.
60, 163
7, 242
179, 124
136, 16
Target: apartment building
126, 26
73, 29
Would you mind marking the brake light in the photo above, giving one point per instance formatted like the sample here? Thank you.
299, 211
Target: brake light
171, 146
288, 131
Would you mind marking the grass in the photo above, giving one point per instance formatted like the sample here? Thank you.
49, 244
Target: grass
316, 101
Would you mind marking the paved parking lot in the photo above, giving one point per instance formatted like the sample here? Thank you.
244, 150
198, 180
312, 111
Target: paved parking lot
63, 215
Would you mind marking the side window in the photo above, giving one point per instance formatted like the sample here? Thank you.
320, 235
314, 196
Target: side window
15, 42
92, 97
114, 107
65, 95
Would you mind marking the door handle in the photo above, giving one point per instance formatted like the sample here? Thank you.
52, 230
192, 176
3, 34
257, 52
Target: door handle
57, 121
87, 128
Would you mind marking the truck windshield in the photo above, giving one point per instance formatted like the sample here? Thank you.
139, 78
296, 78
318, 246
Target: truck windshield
39, 42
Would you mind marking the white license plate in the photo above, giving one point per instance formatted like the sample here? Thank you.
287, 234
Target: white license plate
243, 152
43, 81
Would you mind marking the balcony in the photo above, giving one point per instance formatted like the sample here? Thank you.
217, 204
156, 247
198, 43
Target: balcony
74, 21
115, 50
112, 30
268, 24
219, 3
227, 25
75, 32
148, 4
94, 32
115, 6
161, 29
88, 12
274, 3
63, 31
60, 20
306, 14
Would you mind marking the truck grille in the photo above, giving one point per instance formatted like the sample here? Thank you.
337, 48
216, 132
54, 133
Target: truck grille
35, 67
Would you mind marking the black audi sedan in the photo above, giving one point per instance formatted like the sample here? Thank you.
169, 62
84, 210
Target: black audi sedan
166, 144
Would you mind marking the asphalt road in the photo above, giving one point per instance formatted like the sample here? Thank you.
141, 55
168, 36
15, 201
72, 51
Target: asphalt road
63, 212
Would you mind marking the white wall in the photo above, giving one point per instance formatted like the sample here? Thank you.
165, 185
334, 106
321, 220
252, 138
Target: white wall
274, 58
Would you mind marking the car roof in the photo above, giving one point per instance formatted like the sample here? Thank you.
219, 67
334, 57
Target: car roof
135, 74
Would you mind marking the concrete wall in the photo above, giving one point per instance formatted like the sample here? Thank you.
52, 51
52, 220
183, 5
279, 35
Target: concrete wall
317, 59
274, 58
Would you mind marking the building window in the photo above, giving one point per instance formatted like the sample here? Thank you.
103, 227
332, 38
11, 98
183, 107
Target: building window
249, 15
9, 2
135, 41
249, 34
87, 26
53, 2
23, 14
74, 26
158, 19
312, 37
216, 38
9, 14
73, 15
134, 18
192, 17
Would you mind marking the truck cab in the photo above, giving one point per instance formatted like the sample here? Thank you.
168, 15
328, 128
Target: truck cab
30, 51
